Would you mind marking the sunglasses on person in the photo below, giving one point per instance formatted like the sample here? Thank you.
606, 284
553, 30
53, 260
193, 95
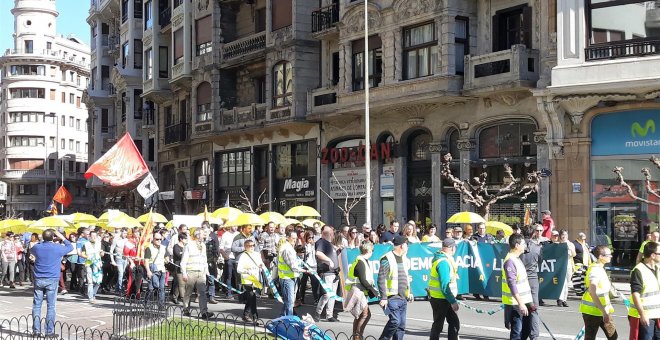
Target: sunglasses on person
157, 239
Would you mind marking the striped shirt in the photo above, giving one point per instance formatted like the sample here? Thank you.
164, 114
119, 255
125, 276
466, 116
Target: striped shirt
384, 272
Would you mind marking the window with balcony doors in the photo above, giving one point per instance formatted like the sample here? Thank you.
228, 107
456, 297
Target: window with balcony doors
260, 89
29, 46
461, 42
335, 68
104, 120
24, 92
260, 20
281, 14
27, 70
204, 35
124, 11
138, 104
148, 62
507, 140
137, 9
282, 84
178, 46
137, 54
375, 56
29, 189
204, 96
622, 29
124, 54
148, 16
163, 62
512, 26
420, 51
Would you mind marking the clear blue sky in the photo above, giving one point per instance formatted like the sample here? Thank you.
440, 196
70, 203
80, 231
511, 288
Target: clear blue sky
71, 21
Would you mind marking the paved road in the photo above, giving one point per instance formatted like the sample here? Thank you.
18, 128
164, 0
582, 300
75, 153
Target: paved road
563, 322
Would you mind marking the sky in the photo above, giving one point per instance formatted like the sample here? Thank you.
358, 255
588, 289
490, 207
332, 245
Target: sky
70, 21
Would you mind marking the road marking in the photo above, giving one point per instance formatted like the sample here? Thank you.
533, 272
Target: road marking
501, 330
7, 302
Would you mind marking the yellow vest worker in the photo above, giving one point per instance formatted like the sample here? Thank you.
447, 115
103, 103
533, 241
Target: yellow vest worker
595, 306
443, 288
644, 312
516, 291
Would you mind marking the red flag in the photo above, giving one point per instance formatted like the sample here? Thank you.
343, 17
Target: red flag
121, 165
145, 238
63, 196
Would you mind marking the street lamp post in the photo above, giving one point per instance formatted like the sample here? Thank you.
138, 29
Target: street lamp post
367, 137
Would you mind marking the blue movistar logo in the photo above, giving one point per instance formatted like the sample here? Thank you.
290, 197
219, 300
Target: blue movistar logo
636, 129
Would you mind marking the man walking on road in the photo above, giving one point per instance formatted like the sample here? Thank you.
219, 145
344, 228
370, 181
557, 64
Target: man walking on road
154, 261
443, 290
644, 312
48, 258
328, 267
288, 270
394, 289
194, 270
595, 307
516, 292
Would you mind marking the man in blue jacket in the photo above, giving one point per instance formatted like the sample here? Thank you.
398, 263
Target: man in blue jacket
443, 289
48, 258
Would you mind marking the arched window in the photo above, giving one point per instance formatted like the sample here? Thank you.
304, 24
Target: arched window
507, 140
419, 147
204, 94
168, 178
282, 84
452, 142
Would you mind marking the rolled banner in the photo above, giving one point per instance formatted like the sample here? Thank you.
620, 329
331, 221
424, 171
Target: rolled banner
271, 284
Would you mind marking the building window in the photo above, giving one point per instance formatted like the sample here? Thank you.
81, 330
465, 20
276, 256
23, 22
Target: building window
26, 141
204, 35
420, 51
260, 20
461, 42
86, 147
507, 140
27, 70
137, 104
124, 11
200, 169
148, 17
204, 96
71, 144
26, 117
52, 142
281, 14
163, 62
77, 124
260, 90
375, 63
234, 169
29, 46
28, 189
22, 92
137, 54
49, 46
335, 68
77, 146
71, 120
104, 120
124, 54
62, 143
72, 98
62, 120
148, 61
512, 26
137, 9
178, 3
282, 84
178, 46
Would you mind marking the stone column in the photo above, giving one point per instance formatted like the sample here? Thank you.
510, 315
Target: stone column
155, 46
345, 70
187, 36
542, 162
437, 203
325, 203
465, 146
387, 39
400, 189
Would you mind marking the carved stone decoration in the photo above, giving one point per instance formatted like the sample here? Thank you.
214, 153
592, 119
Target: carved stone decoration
465, 144
575, 106
202, 5
282, 35
147, 39
652, 94
539, 137
436, 147
353, 20
406, 9
509, 99
177, 21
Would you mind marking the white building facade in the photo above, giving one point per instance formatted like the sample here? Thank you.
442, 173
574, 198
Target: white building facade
44, 123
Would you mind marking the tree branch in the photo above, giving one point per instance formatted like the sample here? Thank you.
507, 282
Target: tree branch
619, 176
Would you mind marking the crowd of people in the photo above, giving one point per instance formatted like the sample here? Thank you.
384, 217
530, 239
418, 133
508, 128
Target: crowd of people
284, 261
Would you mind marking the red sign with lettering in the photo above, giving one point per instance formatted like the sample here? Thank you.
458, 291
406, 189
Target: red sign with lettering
345, 154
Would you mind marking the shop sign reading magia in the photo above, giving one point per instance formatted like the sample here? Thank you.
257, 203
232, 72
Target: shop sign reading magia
298, 187
351, 182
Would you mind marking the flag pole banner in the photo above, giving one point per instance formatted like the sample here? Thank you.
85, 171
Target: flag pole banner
121, 165
479, 267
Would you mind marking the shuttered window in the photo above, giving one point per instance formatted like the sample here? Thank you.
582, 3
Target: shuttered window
204, 35
204, 93
281, 14
178, 46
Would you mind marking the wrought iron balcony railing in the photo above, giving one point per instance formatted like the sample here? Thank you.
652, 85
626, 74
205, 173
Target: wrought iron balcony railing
325, 17
176, 133
621, 49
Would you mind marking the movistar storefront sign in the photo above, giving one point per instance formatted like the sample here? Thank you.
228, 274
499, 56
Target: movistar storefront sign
626, 133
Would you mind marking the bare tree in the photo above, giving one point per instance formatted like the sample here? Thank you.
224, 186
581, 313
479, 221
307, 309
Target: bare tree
349, 202
259, 207
476, 192
647, 183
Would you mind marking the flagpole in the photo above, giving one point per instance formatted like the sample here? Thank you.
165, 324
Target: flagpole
367, 137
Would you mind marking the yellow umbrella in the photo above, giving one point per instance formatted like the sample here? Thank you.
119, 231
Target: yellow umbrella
168, 225
227, 213
50, 222
493, 226
13, 225
156, 217
272, 216
82, 218
289, 221
211, 219
124, 221
302, 211
310, 222
466, 217
245, 219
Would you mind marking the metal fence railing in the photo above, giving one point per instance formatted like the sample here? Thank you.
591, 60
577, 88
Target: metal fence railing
21, 327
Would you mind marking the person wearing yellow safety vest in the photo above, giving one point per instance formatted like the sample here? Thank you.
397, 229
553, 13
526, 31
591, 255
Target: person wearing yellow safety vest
249, 267
394, 288
443, 289
655, 237
359, 286
194, 270
516, 291
288, 271
595, 306
644, 312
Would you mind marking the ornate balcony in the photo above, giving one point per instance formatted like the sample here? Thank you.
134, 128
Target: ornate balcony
515, 69
322, 101
244, 49
241, 117
621, 49
325, 18
165, 17
176, 133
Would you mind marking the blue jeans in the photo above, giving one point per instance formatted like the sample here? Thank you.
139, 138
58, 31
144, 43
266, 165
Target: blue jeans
521, 326
231, 267
649, 332
157, 282
121, 269
47, 287
288, 289
395, 328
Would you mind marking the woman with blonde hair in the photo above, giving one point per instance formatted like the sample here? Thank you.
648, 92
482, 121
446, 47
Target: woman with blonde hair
409, 233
